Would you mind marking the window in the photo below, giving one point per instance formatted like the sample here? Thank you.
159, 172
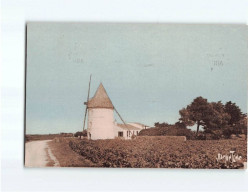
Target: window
120, 134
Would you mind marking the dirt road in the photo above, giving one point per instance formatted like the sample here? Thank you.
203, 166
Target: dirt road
38, 154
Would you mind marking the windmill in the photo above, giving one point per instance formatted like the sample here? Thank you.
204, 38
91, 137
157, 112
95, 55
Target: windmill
100, 115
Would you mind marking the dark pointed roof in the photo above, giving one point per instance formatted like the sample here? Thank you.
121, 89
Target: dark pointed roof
100, 99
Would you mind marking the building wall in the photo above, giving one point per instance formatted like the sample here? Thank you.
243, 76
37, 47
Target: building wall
126, 135
100, 123
119, 129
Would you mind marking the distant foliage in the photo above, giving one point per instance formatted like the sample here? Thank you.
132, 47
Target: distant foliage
35, 137
234, 112
81, 133
196, 113
217, 120
164, 129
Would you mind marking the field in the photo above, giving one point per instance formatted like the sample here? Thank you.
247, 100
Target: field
36, 137
157, 152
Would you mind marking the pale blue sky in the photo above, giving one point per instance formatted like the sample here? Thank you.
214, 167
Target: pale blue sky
150, 71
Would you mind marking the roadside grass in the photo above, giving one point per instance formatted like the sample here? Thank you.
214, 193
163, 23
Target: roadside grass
66, 156
50, 162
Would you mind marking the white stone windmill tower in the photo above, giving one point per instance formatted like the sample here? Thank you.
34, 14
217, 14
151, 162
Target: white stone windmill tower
100, 109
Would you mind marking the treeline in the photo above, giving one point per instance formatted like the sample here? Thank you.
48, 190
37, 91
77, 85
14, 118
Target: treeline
215, 119
165, 129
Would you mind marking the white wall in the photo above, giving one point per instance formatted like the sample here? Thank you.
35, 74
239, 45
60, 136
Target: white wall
117, 129
101, 123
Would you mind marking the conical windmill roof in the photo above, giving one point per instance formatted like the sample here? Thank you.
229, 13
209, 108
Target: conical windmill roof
100, 99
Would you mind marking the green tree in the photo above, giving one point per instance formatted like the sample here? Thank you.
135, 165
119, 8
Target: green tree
78, 133
157, 124
181, 125
235, 113
185, 117
215, 118
218, 118
241, 126
81, 133
198, 112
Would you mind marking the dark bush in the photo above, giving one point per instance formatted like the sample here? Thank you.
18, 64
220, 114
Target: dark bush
80, 133
168, 130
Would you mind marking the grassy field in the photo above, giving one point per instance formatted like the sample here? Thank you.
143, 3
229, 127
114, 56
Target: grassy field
36, 137
148, 152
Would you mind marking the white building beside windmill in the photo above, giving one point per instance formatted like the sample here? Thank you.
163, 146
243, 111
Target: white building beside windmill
127, 130
101, 123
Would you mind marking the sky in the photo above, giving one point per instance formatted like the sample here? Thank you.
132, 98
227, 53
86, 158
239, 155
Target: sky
149, 70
